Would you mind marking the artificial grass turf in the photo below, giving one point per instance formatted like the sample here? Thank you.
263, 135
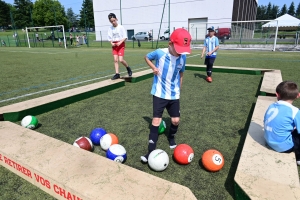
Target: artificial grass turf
213, 116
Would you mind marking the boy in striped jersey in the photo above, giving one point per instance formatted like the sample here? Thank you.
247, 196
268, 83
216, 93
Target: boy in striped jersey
211, 45
168, 73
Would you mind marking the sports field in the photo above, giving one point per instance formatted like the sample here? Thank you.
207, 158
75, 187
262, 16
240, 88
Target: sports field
213, 115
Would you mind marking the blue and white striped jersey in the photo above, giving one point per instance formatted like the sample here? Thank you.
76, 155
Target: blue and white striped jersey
211, 44
166, 84
280, 120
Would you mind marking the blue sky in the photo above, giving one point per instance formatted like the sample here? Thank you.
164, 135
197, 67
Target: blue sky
76, 5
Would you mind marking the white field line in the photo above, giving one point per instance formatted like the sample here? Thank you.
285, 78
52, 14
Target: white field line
42, 91
193, 56
34, 52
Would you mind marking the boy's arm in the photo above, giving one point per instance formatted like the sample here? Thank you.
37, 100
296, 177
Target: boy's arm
151, 65
203, 51
181, 77
109, 37
297, 121
215, 49
182, 70
125, 36
121, 41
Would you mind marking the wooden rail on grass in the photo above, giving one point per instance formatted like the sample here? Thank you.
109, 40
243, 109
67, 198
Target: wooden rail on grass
67, 172
270, 82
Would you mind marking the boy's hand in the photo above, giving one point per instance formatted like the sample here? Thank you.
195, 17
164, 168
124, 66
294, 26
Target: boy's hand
209, 53
155, 71
201, 56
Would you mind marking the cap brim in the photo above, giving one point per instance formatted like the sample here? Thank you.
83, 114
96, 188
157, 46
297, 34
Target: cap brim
182, 50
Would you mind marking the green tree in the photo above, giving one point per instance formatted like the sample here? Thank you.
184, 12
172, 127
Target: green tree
269, 11
21, 13
298, 11
72, 17
4, 14
275, 12
261, 12
49, 13
283, 10
291, 10
87, 14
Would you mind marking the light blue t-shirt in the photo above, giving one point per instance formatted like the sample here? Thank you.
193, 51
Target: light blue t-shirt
211, 43
280, 120
166, 84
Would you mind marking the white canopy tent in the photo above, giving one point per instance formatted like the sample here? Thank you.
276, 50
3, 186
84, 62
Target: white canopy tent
285, 22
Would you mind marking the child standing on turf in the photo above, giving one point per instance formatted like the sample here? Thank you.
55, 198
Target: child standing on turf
168, 73
211, 45
117, 36
282, 121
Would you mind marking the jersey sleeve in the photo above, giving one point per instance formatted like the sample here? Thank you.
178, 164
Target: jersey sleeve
184, 61
109, 34
124, 32
217, 42
205, 42
297, 121
152, 55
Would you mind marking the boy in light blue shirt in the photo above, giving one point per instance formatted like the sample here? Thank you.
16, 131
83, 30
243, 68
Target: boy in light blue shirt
282, 121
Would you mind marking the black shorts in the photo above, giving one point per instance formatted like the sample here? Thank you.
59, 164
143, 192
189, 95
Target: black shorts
209, 61
172, 106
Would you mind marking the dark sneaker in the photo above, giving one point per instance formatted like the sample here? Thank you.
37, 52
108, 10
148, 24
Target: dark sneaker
129, 71
116, 76
172, 143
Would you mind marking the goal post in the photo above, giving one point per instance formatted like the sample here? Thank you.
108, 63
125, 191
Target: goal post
255, 34
58, 26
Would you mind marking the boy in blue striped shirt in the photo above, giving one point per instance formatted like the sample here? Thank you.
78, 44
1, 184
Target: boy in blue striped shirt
282, 121
211, 45
168, 73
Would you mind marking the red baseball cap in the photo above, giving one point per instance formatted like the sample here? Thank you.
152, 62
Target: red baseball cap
181, 39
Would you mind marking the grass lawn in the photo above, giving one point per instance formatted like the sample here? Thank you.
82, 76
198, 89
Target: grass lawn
213, 115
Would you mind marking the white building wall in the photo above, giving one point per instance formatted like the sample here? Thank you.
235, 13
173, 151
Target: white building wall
146, 15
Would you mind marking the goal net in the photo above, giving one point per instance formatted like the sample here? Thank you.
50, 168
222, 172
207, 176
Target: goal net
258, 34
46, 36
